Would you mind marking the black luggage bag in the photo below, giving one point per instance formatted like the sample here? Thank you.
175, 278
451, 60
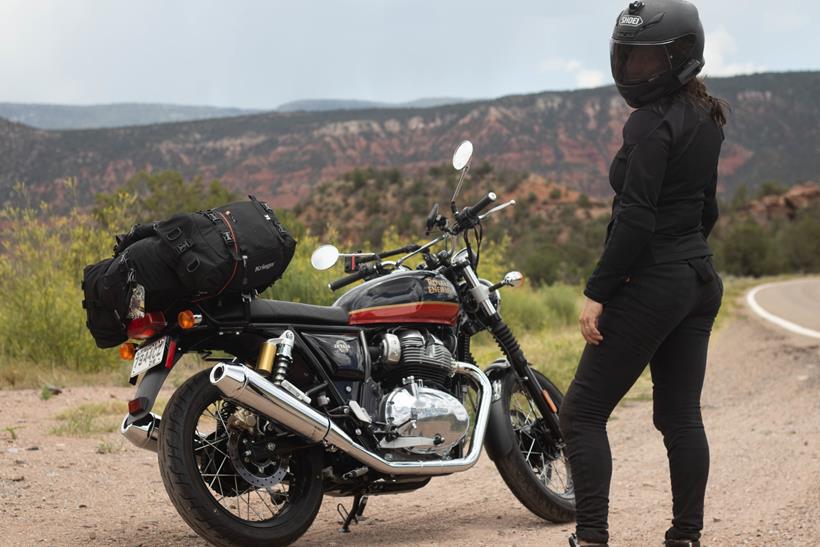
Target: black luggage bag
237, 248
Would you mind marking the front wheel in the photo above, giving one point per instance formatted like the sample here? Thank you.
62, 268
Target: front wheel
218, 468
536, 470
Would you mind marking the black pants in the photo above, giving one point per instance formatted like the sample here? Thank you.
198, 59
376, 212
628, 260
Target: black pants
662, 315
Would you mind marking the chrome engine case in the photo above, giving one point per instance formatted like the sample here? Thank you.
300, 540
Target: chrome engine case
423, 420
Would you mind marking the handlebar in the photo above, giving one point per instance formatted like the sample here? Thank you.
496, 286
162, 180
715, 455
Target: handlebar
468, 217
464, 220
385, 254
352, 278
482, 204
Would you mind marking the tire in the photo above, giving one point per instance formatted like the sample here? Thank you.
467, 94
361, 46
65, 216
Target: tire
518, 473
193, 499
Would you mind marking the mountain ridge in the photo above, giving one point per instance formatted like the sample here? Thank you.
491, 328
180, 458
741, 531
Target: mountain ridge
96, 116
565, 137
55, 116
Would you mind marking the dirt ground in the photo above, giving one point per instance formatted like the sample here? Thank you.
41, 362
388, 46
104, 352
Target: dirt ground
761, 406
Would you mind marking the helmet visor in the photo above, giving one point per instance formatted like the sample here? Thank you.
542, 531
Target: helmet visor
635, 63
632, 64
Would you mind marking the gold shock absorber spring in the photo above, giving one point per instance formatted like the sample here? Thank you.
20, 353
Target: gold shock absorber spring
275, 356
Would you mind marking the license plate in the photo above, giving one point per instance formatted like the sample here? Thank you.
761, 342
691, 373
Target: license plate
149, 356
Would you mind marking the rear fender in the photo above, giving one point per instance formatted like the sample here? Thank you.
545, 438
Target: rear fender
149, 387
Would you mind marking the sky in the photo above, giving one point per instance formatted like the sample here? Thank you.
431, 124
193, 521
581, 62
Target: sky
260, 54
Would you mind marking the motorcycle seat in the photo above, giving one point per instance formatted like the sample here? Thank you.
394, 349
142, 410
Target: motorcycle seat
278, 311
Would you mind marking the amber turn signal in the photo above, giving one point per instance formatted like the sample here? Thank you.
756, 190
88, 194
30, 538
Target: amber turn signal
127, 351
186, 319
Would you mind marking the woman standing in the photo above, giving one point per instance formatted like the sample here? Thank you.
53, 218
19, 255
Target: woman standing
654, 294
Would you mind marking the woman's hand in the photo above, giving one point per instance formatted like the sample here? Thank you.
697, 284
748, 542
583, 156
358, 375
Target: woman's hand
589, 321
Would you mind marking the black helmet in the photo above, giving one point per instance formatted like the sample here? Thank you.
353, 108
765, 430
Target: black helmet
656, 48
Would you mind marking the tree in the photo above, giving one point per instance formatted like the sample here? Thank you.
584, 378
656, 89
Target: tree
799, 242
164, 193
748, 249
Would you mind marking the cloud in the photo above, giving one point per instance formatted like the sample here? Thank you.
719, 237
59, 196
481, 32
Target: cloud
584, 77
720, 47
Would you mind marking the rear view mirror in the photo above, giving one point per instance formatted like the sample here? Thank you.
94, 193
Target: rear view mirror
462, 155
513, 279
324, 257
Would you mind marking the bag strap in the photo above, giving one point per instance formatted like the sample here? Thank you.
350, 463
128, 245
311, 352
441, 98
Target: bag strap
137, 233
235, 249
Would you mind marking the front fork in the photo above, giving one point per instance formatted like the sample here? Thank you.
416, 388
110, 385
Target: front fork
509, 345
515, 356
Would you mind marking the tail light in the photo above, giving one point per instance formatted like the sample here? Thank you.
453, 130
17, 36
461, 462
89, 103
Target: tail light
146, 326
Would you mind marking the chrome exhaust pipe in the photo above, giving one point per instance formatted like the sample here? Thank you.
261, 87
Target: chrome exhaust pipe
143, 433
254, 391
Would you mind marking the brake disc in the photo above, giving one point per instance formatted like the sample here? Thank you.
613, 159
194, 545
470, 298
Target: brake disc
258, 473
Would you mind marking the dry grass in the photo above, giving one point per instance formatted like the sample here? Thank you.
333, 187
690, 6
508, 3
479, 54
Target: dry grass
16, 374
90, 419
94, 418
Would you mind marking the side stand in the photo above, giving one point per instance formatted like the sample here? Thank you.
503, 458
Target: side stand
356, 512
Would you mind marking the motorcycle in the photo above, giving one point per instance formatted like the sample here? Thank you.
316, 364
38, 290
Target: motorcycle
377, 394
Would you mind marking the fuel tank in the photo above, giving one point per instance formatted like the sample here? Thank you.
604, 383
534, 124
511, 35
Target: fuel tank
415, 296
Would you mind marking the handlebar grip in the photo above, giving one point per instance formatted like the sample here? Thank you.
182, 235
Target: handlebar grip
482, 204
348, 279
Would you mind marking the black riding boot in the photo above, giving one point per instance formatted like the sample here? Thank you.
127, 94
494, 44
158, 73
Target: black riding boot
575, 542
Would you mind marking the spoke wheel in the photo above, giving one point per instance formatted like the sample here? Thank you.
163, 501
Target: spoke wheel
251, 489
543, 454
534, 465
224, 476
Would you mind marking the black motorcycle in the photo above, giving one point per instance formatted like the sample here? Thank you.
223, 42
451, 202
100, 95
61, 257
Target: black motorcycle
376, 394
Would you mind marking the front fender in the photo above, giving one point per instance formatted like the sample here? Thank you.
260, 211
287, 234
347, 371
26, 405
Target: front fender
498, 442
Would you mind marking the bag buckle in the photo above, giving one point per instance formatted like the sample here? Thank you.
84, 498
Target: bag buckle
212, 216
184, 246
227, 237
174, 234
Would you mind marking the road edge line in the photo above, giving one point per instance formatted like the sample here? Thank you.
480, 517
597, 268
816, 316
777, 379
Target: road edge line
777, 320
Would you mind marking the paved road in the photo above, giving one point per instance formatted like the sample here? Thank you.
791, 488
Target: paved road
796, 301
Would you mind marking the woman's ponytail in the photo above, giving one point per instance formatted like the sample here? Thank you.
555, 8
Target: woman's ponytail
696, 91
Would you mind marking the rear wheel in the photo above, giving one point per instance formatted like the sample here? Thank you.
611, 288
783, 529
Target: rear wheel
536, 470
223, 476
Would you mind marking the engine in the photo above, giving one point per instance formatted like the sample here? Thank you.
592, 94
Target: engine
420, 354
422, 416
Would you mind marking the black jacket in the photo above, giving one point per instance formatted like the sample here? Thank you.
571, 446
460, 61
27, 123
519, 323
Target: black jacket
664, 177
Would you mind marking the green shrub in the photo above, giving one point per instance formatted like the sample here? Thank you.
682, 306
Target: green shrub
748, 249
799, 242
533, 309
41, 266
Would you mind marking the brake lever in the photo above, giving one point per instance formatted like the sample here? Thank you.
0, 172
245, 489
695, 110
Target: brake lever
496, 209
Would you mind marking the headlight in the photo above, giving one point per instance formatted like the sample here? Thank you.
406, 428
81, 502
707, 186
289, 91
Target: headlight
462, 254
